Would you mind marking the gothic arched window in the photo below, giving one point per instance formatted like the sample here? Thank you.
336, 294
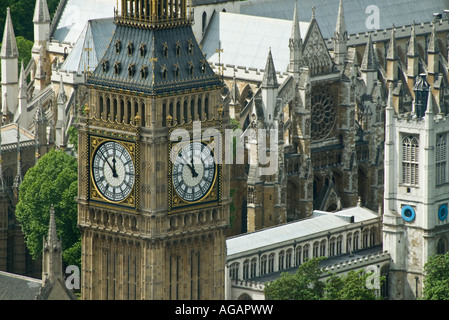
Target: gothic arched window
410, 160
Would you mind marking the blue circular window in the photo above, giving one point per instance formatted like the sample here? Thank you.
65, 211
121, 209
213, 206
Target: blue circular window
442, 212
408, 213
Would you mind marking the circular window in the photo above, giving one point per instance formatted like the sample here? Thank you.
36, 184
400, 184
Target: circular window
323, 113
442, 212
408, 213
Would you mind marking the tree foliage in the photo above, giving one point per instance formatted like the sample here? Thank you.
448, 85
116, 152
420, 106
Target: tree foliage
436, 281
52, 181
305, 284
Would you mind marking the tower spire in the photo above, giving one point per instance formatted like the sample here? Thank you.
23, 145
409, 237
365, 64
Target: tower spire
295, 45
269, 77
52, 255
340, 37
41, 13
369, 62
413, 45
9, 44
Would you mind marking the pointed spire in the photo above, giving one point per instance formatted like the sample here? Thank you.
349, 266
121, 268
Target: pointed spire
40, 114
413, 45
340, 29
22, 83
269, 77
41, 13
235, 95
9, 44
296, 32
392, 51
369, 62
62, 97
433, 42
52, 238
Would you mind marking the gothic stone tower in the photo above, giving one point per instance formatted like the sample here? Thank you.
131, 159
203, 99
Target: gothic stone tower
153, 212
416, 191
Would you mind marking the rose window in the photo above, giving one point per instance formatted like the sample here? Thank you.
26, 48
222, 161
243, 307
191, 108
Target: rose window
323, 113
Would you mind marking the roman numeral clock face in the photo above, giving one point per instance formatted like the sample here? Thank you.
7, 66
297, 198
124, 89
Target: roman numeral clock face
113, 171
194, 171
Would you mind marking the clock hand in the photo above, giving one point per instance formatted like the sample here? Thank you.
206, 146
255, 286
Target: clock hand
192, 168
107, 161
114, 171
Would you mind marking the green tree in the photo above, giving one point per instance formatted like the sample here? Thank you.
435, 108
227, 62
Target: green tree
351, 286
436, 281
52, 181
304, 284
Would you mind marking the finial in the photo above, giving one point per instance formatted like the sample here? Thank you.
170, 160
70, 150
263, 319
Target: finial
313, 12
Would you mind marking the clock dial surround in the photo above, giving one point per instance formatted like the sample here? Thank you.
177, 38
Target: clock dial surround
113, 171
194, 172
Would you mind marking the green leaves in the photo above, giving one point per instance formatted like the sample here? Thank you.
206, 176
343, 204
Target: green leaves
305, 284
53, 180
436, 281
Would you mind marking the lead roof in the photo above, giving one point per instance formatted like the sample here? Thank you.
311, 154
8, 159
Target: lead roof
169, 58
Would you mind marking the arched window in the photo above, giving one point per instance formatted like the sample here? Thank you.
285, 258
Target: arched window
234, 271
410, 160
298, 256
441, 246
339, 244
332, 247
349, 242
356, 241
263, 265
372, 237
316, 246
246, 270
281, 260
271, 263
323, 248
440, 159
288, 259
253, 269
305, 254
365, 238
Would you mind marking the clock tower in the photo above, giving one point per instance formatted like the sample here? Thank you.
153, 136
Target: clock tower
153, 208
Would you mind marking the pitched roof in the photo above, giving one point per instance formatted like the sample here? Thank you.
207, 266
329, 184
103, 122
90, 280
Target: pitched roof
75, 15
153, 61
398, 12
255, 34
17, 287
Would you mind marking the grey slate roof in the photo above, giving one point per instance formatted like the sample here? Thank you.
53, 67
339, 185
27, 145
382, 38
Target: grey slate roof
96, 35
398, 12
320, 222
16, 287
246, 40
75, 15
154, 42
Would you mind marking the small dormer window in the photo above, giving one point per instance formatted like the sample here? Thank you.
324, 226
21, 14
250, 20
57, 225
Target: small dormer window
143, 50
165, 50
177, 71
203, 67
190, 47
117, 68
164, 72
191, 69
178, 49
105, 65
130, 48
118, 46
144, 72
131, 69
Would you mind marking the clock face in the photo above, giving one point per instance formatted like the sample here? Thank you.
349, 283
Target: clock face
194, 171
113, 171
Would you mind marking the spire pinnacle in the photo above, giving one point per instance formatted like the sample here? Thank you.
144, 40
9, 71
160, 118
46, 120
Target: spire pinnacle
269, 77
340, 29
296, 32
22, 83
392, 52
369, 62
41, 13
413, 45
433, 43
9, 44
